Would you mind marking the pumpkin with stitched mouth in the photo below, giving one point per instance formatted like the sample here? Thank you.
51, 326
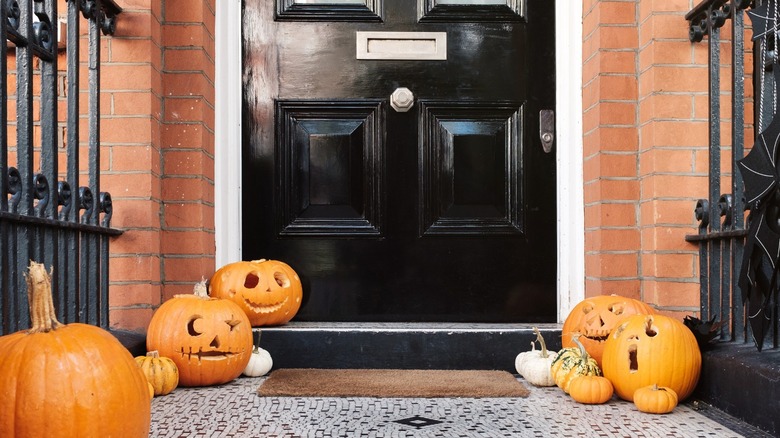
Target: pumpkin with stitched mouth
594, 318
269, 291
209, 339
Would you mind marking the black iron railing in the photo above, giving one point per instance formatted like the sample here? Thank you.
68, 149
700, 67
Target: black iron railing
722, 224
46, 214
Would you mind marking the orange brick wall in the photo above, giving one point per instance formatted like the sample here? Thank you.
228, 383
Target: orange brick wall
610, 148
673, 109
159, 76
645, 154
131, 73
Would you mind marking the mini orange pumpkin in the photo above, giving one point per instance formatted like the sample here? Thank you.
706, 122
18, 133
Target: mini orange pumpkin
269, 291
655, 400
68, 380
591, 390
594, 318
652, 349
209, 339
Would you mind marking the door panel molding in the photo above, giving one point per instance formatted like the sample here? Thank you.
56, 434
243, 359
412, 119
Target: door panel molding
290, 10
329, 164
432, 10
470, 158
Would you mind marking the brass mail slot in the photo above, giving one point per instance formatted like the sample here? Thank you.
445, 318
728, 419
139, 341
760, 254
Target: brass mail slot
402, 45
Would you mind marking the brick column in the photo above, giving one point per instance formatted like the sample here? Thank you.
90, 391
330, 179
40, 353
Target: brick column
673, 160
132, 169
187, 144
611, 141
158, 91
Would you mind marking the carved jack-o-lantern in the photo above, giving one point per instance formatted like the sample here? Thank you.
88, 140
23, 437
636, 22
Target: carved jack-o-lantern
652, 350
595, 317
269, 291
209, 339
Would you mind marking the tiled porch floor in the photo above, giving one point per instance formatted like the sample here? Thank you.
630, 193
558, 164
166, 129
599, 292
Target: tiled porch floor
234, 410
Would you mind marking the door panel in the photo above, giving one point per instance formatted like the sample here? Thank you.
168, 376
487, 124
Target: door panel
444, 211
470, 166
329, 159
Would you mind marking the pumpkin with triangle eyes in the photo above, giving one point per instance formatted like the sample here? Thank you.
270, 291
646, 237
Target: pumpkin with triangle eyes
269, 291
209, 339
595, 317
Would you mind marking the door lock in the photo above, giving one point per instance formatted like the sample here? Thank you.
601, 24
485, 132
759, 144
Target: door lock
547, 129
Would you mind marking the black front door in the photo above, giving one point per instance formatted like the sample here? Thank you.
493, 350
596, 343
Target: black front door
392, 156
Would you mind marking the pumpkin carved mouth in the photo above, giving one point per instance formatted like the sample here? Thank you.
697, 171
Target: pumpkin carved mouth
597, 337
264, 308
201, 355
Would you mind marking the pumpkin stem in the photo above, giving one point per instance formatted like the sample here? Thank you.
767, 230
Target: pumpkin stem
576, 338
541, 341
42, 313
256, 347
200, 289
153, 354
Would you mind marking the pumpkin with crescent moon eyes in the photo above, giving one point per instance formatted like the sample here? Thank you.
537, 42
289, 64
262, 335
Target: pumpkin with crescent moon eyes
209, 339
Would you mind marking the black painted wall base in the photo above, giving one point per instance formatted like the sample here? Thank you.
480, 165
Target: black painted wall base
402, 346
744, 383
134, 342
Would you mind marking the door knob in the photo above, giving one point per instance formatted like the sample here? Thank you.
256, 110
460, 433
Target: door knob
402, 99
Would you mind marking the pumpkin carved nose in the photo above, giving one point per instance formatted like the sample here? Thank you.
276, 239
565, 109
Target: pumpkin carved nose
214, 342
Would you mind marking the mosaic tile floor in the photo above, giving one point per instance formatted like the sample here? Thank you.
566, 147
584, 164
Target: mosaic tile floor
233, 410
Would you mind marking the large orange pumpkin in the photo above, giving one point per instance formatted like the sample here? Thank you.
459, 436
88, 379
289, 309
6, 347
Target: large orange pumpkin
594, 318
209, 339
269, 291
652, 350
73, 380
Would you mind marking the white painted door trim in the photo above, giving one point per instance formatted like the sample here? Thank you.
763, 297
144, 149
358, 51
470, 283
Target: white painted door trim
570, 204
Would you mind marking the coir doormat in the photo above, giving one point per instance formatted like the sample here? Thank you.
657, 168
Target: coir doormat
298, 382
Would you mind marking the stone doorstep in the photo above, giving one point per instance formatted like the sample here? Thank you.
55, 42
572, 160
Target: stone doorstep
402, 345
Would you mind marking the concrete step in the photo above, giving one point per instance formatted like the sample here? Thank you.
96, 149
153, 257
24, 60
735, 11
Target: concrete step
402, 345
743, 382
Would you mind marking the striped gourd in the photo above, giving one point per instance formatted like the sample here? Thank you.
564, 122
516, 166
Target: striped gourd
573, 362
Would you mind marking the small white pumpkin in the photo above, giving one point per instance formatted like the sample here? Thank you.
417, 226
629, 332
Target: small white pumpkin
260, 362
534, 365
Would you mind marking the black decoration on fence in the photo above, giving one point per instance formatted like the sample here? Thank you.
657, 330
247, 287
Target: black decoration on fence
758, 275
760, 170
